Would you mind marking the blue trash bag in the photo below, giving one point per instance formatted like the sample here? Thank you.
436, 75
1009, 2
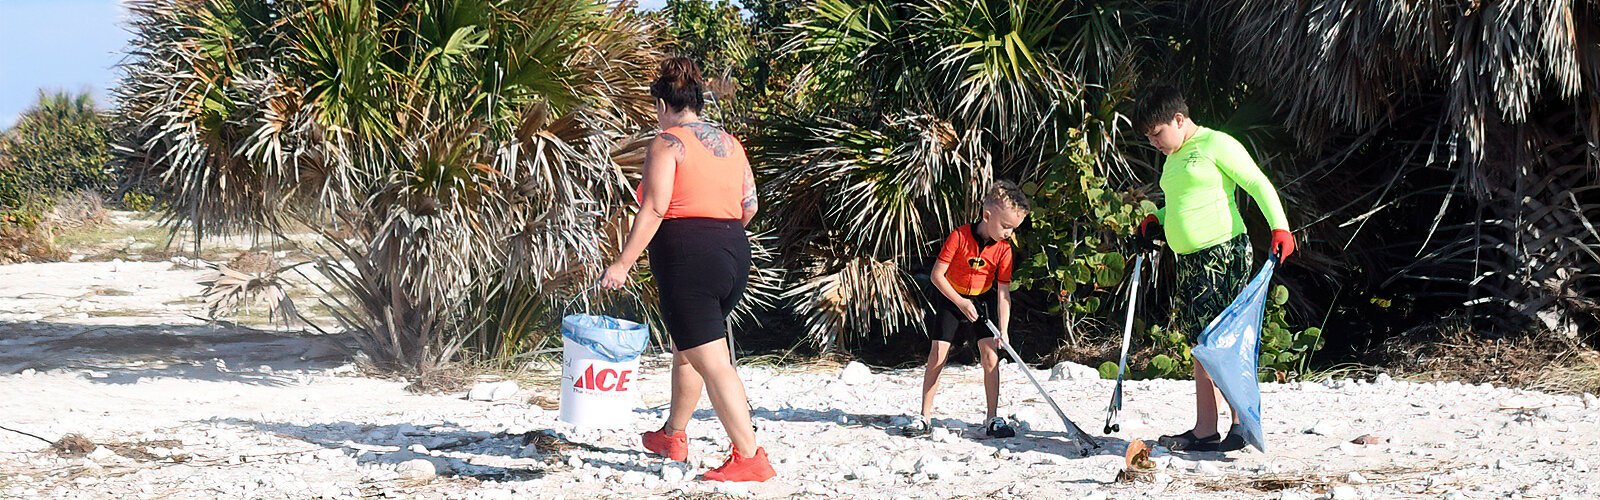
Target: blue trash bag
1229, 349
616, 340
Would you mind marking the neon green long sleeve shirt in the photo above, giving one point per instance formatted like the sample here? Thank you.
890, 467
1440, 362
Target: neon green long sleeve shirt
1199, 180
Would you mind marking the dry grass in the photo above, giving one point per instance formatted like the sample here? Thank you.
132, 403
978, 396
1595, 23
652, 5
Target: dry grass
109, 238
1340, 371
77, 446
1320, 482
120, 313
19, 244
1453, 351
105, 291
81, 209
37, 241
73, 445
453, 377
547, 443
141, 450
701, 496
1271, 483
252, 262
1092, 350
103, 242
544, 401
1571, 373
789, 362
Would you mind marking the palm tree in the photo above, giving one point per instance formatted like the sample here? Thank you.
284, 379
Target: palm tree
1437, 150
467, 145
1479, 119
903, 113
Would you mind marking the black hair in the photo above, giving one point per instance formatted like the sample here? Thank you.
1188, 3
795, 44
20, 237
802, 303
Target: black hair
680, 85
1157, 105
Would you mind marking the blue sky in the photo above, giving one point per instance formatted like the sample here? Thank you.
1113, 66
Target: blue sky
58, 45
68, 45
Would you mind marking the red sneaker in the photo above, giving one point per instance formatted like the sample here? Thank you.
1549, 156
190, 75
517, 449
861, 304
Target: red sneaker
740, 469
674, 446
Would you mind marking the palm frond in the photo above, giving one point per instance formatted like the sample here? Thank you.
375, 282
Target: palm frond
996, 61
228, 289
468, 145
1490, 61
859, 296
916, 175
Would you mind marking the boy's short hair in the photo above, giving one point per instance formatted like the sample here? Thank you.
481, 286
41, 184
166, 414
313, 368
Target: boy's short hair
1007, 194
1157, 105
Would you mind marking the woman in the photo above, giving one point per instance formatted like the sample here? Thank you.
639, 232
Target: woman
697, 195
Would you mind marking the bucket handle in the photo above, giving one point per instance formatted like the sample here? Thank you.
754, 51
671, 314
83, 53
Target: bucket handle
587, 305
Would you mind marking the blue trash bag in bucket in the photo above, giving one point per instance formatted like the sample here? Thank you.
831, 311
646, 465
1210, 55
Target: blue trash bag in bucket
1229, 349
616, 340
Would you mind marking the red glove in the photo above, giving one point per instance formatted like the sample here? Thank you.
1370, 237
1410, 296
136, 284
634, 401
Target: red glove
1282, 244
1150, 227
1150, 231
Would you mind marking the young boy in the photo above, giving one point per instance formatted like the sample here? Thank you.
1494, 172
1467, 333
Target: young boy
973, 276
1202, 225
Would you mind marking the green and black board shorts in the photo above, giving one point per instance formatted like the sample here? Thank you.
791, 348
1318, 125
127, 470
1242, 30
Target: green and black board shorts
1208, 281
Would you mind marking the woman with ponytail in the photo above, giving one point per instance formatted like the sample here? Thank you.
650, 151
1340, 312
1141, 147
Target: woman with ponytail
697, 195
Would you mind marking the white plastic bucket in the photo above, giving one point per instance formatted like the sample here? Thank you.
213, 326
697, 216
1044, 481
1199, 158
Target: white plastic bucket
596, 392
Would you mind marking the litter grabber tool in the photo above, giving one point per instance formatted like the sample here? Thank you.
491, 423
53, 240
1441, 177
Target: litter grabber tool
1114, 410
1073, 430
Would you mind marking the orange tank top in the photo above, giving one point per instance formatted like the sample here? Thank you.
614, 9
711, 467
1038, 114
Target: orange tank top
706, 185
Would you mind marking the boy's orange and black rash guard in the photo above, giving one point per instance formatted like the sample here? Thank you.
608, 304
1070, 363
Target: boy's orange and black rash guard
976, 264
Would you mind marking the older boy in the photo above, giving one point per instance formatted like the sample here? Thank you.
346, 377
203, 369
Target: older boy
1202, 225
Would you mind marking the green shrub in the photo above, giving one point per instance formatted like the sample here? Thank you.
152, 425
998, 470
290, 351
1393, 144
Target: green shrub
1285, 352
57, 146
1072, 245
138, 201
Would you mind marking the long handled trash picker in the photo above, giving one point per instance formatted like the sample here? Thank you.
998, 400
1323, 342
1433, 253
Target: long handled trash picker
1113, 412
1073, 430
